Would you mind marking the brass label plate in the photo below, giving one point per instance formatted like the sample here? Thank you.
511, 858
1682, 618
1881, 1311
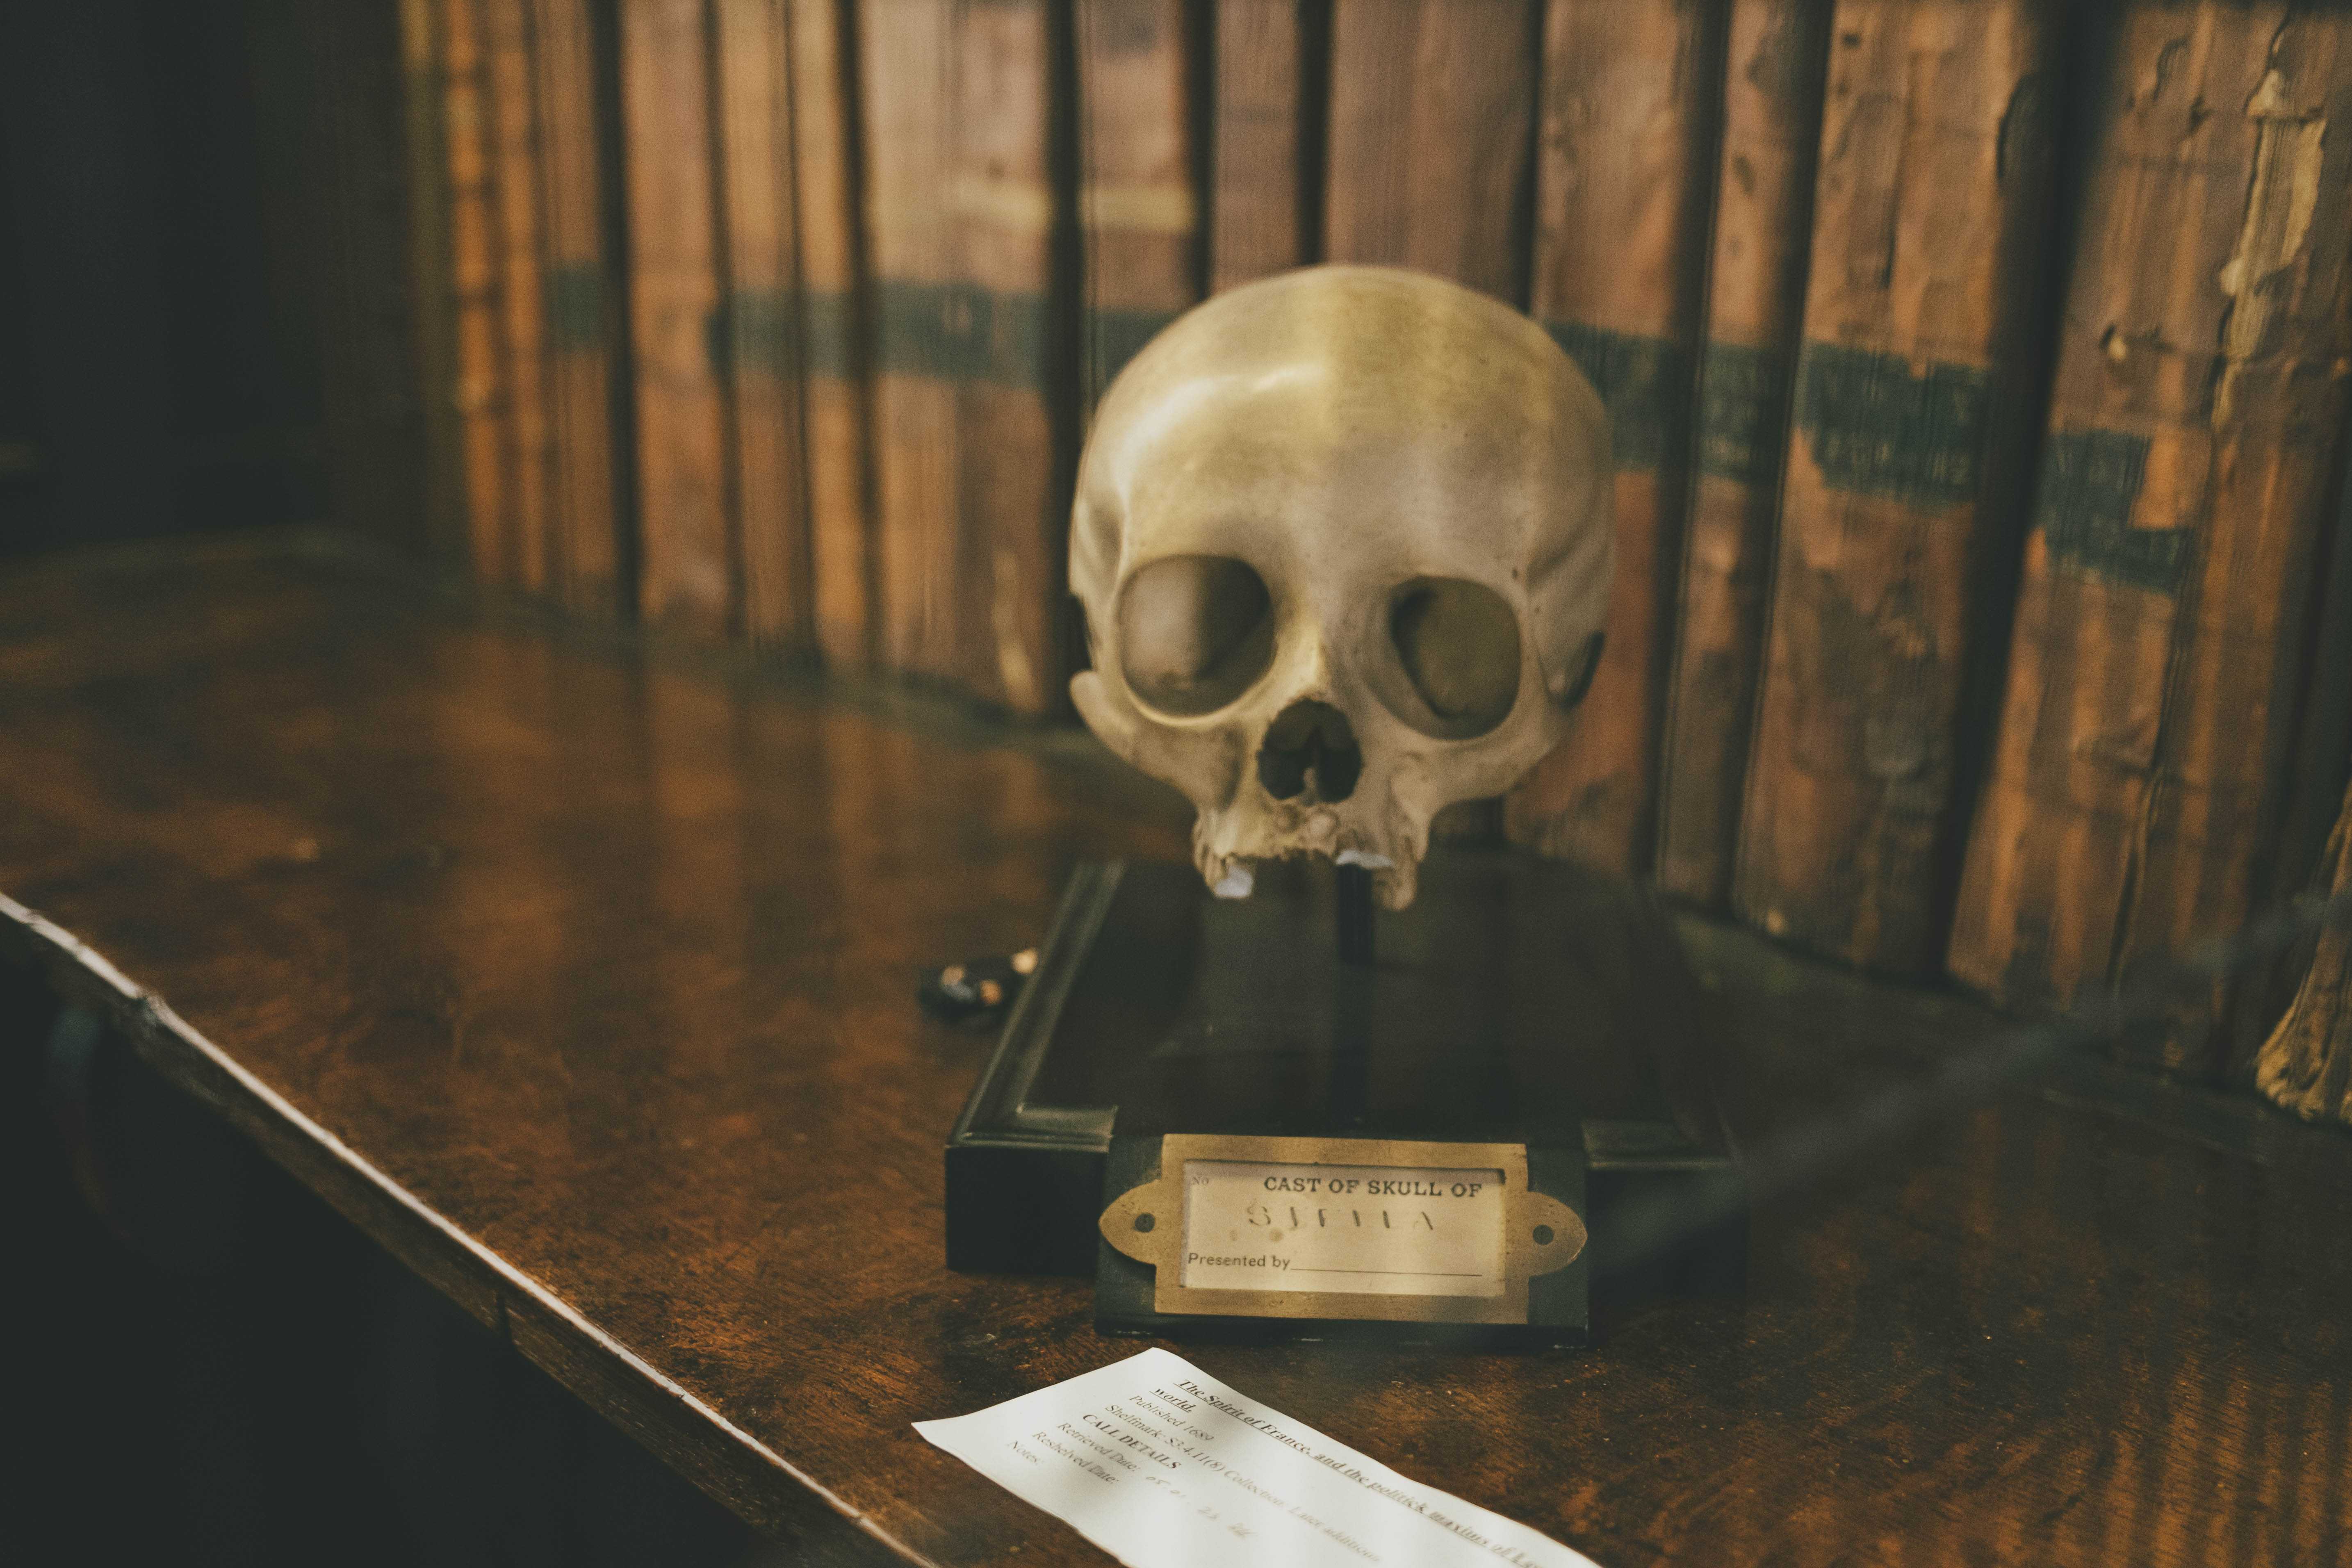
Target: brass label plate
1389, 1230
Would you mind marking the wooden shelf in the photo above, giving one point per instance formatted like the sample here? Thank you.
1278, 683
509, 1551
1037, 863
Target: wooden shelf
578, 969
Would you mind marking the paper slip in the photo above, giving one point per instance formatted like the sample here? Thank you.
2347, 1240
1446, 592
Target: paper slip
1163, 1467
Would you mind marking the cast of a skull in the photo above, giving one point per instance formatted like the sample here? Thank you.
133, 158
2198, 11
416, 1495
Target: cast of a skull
1343, 540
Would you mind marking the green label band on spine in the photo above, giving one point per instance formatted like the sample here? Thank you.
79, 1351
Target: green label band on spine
1875, 428
960, 332
1642, 380
2090, 481
1743, 411
574, 302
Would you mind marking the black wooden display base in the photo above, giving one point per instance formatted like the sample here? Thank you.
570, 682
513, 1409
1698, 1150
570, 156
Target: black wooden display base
1519, 1002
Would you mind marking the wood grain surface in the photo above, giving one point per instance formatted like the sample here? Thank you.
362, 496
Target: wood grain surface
578, 971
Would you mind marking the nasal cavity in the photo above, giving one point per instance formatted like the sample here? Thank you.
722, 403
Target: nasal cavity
1310, 752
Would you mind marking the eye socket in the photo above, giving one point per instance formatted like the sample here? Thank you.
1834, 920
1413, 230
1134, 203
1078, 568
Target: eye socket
1458, 643
1194, 632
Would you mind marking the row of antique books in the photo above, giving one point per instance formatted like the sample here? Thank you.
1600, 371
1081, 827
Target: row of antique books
1977, 369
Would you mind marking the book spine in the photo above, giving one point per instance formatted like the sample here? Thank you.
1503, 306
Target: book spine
833, 390
763, 313
906, 65
513, 132
584, 536
1136, 202
431, 278
1268, 117
1008, 565
685, 501
480, 389
377, 469
2302, 857
2306, 1064
1771, 106
1433, 104
1912, 435
1624, 182
2157, 667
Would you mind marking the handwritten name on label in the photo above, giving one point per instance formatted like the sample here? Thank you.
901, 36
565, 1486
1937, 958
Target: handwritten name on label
1163, 1467
1367, 1230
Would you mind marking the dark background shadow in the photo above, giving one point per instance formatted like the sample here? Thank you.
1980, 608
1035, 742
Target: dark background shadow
202, 270
217, 1369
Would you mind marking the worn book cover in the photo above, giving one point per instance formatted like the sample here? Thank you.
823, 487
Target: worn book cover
1772, 113
1432, 107
575, 299
512, 133
2306, 1064
686, 491
1624, 180
1906, 469
1137, 163
1271, 99
921, 330
842, 567
431, 278
1015, 440
478, 366
760, 259
2158, 670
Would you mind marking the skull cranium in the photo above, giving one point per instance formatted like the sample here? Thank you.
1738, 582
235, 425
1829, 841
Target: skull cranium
1343, 541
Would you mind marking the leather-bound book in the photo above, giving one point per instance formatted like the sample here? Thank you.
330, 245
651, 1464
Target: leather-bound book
1624, 182
1271, 104
1138, 206
576, 285
761, 262
447, 533
685, 493
1432, 106
2306, 1064
514, 138
833, 345
2302, 853
478, 367
1772, 109
1016, 436
1907, 466
920, 332
2157, 674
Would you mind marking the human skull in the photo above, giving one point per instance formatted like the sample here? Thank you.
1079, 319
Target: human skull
1343, 540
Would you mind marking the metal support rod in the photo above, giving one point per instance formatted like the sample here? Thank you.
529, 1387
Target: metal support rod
1355, 916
